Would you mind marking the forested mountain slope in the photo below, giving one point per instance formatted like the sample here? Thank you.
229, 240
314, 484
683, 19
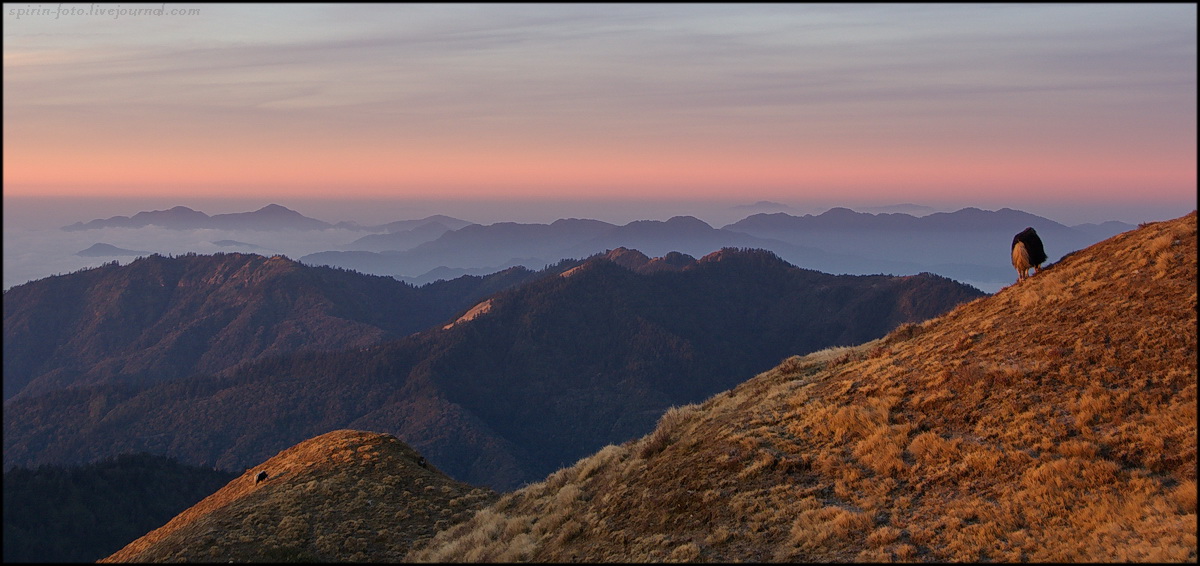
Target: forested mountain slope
162, 318
55, 514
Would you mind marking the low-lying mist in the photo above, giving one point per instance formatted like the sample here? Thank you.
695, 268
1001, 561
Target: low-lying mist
35, 246
31, 254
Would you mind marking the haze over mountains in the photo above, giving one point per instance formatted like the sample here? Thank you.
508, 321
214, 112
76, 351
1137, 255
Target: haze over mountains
969, 245
109, 250
223, 360
270, 217
1054, 421
438, 246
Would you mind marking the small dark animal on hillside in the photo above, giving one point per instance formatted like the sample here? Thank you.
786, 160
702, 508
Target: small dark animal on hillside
421, 462
261, 476
1027, 251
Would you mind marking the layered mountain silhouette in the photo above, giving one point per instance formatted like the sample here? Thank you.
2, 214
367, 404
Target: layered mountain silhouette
160, 318
538, 376
968, 245
405, 234
100, 249
241, 245
270, 217
538, 245
1052, 422
761, 206
906, 208
345, 495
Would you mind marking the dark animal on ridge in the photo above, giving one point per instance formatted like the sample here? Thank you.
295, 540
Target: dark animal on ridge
1027, 251
261, 476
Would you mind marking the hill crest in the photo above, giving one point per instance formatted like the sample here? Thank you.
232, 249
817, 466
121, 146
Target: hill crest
348, 495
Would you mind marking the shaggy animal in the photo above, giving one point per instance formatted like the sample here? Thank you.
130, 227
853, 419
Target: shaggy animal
1027, 251
261, 476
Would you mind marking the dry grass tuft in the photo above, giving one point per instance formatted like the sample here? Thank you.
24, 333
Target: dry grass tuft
824, 528
669, 429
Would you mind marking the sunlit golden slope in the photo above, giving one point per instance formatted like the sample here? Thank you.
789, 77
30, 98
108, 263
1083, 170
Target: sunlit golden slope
1053, 421
345, 495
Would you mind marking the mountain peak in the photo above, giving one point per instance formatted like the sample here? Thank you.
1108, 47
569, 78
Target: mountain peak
639, 262
728, 254
843, 212
394, 495
270, 217
627, 258
101, 249
688, 221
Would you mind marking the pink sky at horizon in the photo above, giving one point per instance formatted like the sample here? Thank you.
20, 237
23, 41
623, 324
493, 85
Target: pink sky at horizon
1035, 103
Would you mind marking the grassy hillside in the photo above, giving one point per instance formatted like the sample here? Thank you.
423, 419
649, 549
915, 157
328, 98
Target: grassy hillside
1053, 421
344, 495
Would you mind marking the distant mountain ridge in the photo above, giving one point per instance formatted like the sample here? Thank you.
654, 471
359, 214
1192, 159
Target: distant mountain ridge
537, 245
406, 234
840, 218
579, 356
270, 217
237, 244
907, 208
101, 249
968, 245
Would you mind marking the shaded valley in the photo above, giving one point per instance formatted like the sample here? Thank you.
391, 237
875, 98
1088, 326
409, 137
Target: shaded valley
84, 513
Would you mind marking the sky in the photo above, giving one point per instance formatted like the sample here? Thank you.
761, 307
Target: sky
1039, 107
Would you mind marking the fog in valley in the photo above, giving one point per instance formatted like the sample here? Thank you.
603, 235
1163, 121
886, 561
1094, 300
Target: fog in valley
35, 246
